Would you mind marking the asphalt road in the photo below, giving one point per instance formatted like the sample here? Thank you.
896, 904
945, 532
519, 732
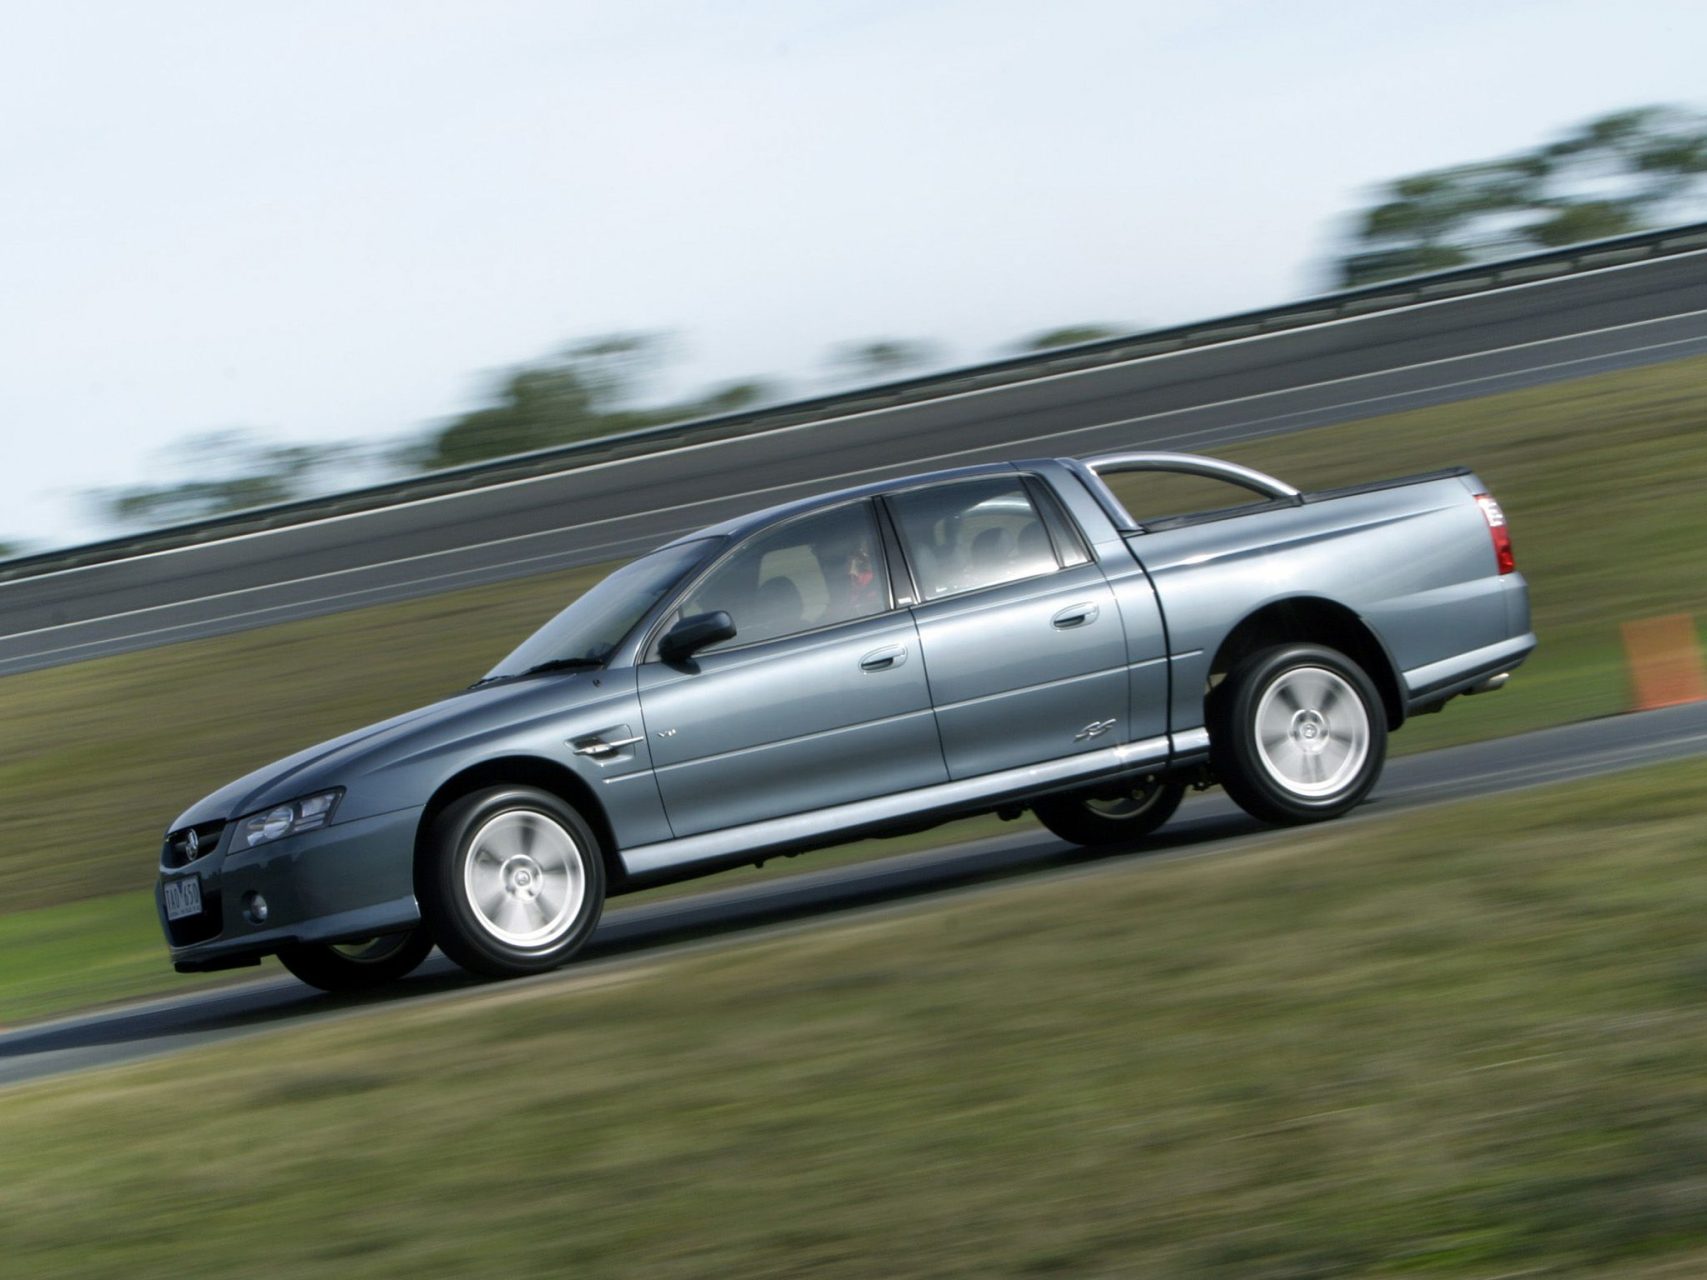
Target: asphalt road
1207, 825
1193, 400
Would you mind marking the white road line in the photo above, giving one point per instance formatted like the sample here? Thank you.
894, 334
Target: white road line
982, 391
1005, 447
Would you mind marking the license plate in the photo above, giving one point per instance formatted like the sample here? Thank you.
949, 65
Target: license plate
183, 898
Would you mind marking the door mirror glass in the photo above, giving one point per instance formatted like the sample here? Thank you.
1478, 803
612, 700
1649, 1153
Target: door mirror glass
694, 633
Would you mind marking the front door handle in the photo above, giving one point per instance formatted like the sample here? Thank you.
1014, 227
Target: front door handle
885, 659
1076, 615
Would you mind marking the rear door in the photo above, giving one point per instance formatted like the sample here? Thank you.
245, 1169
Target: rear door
1021, 635
820, 699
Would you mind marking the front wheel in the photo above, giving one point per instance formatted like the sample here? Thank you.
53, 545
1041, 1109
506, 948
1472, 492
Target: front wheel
1110, 815
1297, 734
511, 881
357, 966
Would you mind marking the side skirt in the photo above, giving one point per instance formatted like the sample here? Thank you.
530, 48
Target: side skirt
708, 851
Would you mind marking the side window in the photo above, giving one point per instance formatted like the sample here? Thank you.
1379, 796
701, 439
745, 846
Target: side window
811, 572
972, 534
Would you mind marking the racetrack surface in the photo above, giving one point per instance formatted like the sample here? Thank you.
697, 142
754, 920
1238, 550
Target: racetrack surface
642, 933
1192, 400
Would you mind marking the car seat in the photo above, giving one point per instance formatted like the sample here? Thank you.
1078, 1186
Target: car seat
778, 607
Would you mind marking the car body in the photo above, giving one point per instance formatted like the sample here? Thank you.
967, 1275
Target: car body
982, 639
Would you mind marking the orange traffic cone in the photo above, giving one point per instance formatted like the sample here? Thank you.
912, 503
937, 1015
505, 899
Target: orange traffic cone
1665, 661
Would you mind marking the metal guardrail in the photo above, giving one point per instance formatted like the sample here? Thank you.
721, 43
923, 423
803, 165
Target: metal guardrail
1593, 255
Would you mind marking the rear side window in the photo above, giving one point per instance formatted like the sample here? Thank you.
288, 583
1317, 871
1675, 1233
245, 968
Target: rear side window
1154, 496
972, 534
809, 573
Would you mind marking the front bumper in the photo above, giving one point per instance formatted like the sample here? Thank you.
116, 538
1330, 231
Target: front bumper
348, 881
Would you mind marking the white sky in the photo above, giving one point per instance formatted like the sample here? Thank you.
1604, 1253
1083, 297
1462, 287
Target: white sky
332, 219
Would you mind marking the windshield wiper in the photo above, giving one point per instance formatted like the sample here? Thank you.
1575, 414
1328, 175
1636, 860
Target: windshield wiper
543, 668
564, 664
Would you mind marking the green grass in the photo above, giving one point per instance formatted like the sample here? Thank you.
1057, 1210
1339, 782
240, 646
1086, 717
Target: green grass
1601, 477
90, 953
1464, 1041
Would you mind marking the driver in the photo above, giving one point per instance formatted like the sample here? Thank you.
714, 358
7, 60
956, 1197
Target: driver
863, 589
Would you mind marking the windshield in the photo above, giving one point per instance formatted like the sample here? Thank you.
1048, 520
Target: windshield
592, 627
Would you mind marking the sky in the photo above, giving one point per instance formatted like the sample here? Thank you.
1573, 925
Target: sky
335, 220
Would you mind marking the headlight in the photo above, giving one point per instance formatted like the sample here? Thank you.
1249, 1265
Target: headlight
289, 819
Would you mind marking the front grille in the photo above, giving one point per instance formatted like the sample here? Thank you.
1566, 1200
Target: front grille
176, 851
200, 928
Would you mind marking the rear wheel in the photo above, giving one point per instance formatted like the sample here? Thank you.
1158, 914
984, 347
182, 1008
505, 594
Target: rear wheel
1110, 815
511, 881
357, 966
1297, 734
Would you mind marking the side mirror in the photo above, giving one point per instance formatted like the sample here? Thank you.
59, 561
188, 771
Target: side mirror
692, 634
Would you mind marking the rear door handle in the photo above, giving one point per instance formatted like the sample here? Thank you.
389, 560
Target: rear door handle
885, 659
1076, 615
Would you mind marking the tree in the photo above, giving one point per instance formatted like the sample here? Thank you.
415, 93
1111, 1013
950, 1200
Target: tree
1587, 220
583, 391
614, 366
1070, 335
882, 359
1613, 175
1441, 219
733, 397
1655, 156
590, 388
224, 471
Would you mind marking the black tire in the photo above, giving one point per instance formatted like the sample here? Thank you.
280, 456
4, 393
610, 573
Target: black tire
358, 966
511, 881
1108, 816
1297, 733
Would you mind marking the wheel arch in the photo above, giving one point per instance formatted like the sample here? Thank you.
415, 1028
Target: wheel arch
1315, 620
527, 771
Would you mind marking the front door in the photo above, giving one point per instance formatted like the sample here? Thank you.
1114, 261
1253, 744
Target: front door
820, 699
1021, 634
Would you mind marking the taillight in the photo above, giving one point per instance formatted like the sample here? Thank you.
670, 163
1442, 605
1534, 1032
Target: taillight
1497, 531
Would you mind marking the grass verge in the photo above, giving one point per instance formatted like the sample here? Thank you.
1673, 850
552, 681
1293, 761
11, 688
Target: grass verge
97, 952
1461, 1042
